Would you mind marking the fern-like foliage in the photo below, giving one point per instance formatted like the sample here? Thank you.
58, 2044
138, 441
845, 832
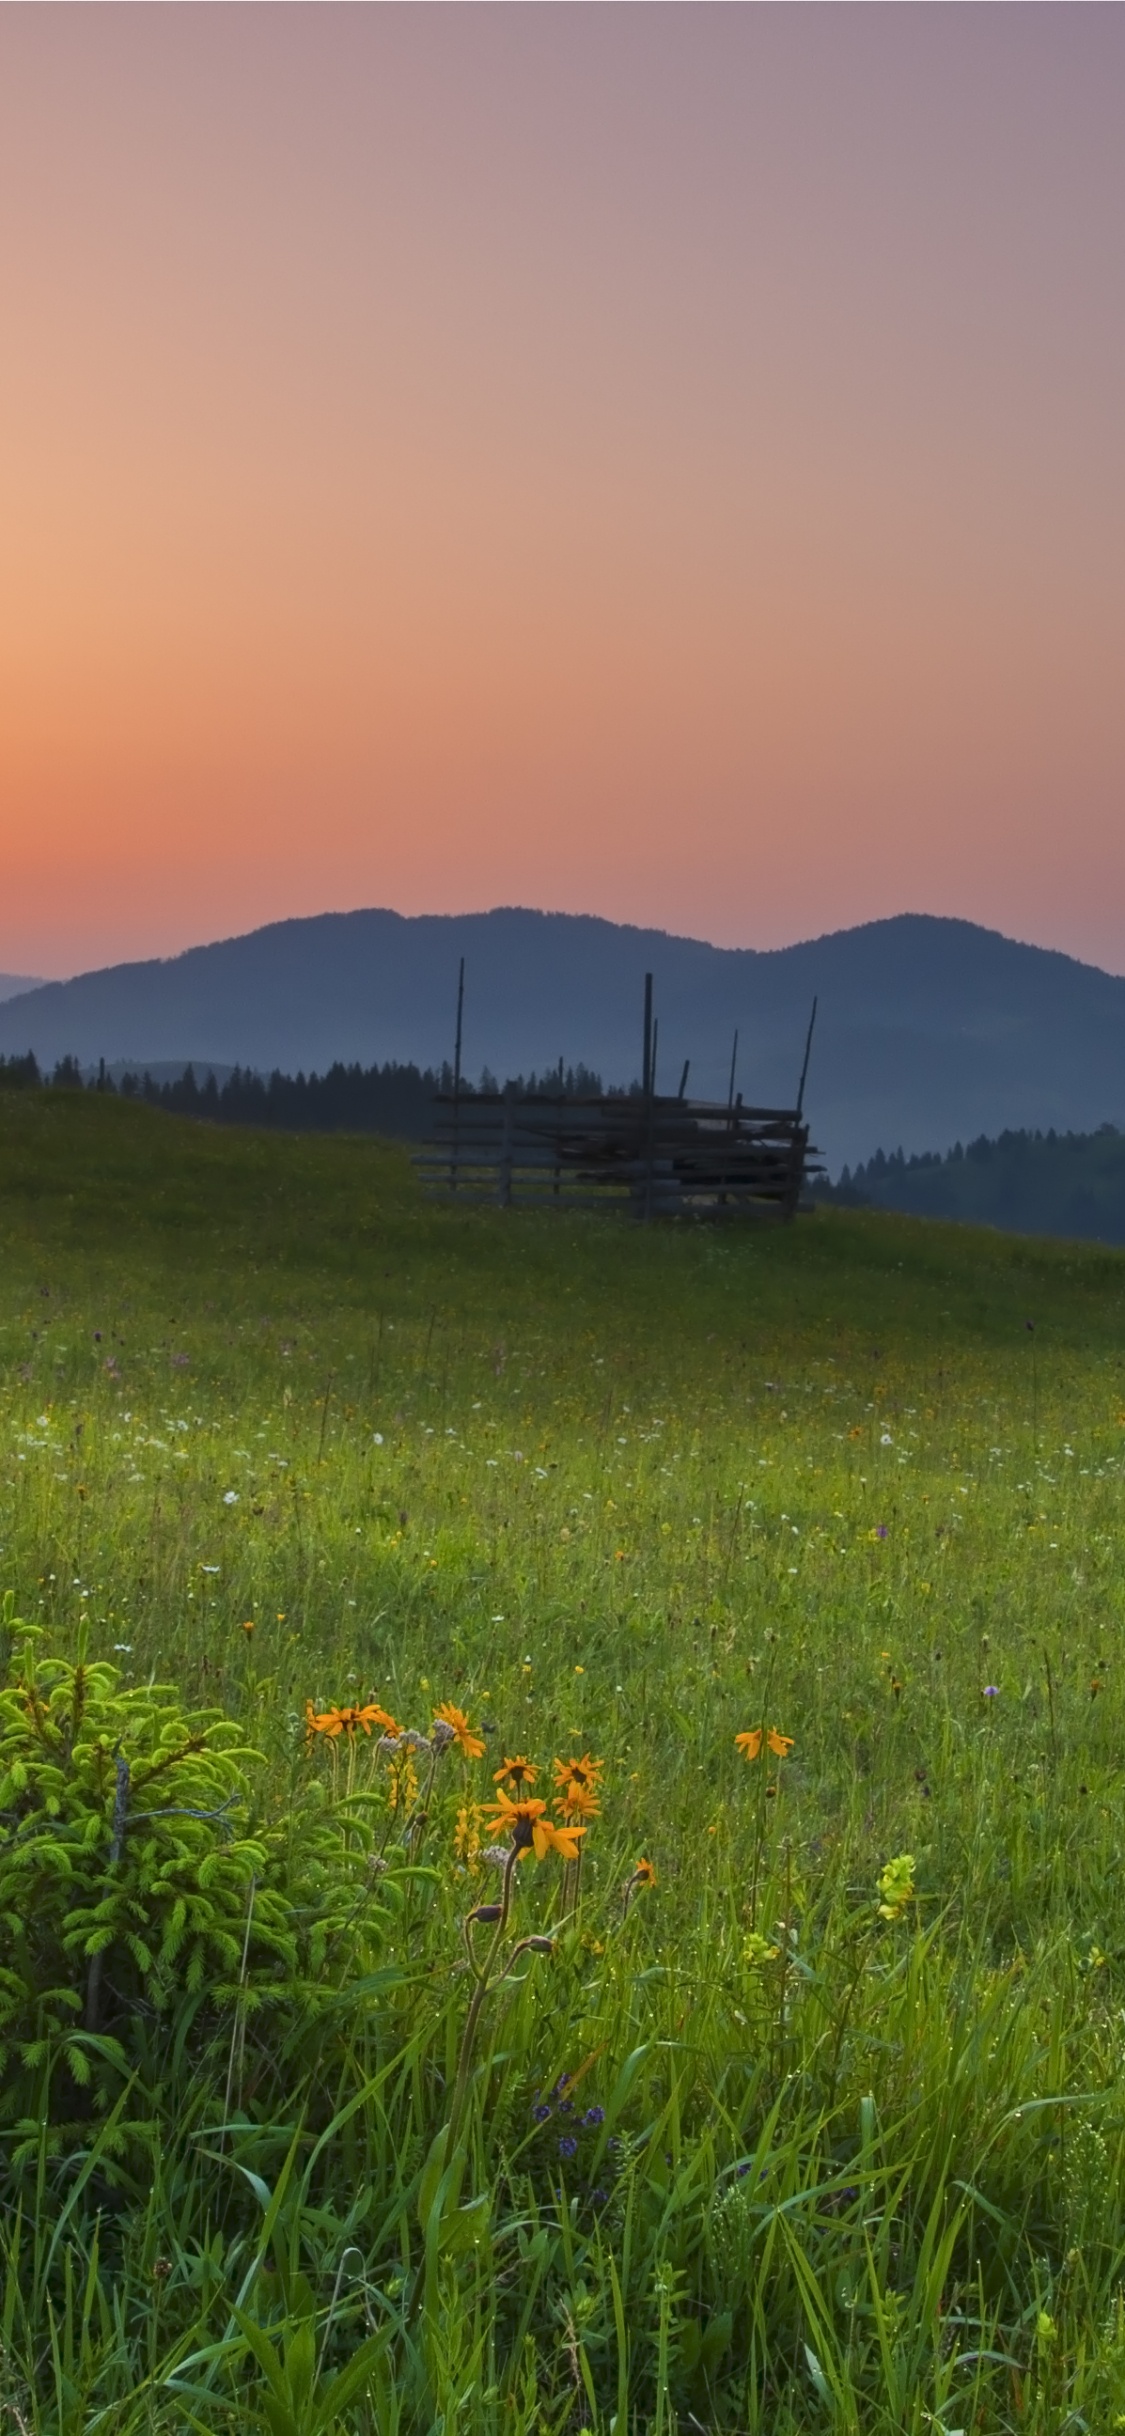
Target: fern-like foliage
147, 1885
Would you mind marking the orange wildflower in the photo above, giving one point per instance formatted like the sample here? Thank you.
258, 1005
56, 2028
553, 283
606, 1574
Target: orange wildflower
750, 1743
585, 1771
531, 1830
329, 1721
577, 1801
644, 1873
516, 1773
459, 1727
334, 1722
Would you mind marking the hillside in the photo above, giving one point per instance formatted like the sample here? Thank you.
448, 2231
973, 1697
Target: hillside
784, 1566
929, 1030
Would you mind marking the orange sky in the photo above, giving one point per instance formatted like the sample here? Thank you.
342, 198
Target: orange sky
663, 462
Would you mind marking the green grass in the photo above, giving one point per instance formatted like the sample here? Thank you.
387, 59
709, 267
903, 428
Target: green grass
629, 1491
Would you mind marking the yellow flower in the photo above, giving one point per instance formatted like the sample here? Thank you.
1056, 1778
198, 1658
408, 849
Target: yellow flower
466, 1834
516, 1773
750, 1743
402, 1791
757, 1949
531, 1830
896, 1886
644, 1873
458, 1724
780, 1744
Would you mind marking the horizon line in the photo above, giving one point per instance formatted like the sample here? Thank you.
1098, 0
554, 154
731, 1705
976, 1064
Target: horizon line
29, 981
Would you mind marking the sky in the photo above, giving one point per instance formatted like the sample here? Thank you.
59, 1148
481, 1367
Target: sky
663, 462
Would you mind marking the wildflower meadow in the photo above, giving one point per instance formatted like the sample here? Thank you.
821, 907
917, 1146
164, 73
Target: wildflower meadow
562, 1794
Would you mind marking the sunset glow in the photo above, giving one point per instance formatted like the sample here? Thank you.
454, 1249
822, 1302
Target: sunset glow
660, 462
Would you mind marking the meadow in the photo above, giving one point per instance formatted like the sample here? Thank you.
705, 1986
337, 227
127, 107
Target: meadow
796, 2103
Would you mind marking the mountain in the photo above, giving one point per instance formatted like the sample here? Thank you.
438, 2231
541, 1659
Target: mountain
928, 1030
14, 985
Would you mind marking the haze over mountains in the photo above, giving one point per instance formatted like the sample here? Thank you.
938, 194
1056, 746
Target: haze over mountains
929, 1030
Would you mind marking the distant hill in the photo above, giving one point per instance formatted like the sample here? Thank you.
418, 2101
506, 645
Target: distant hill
14, 985
928, 1030
1027, 1183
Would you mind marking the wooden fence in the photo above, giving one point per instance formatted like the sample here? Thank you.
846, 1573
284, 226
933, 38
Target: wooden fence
650, 1156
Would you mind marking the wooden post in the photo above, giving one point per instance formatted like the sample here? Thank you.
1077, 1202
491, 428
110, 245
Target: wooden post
800, 1130
457, 1041
456, 1146
504, 1192
805, 1067
683, 1079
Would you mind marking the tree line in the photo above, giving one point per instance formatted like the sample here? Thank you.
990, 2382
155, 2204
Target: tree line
1028, 1181
393, 1098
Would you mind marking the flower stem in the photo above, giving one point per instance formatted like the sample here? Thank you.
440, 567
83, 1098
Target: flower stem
483, 1976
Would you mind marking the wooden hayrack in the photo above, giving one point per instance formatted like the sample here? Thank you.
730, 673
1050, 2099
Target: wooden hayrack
653, 1157
632, 1150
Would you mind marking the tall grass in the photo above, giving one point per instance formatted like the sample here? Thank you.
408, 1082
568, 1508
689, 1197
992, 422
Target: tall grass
742, 2154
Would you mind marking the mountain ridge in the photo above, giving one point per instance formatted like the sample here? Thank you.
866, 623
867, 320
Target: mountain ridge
929, 1028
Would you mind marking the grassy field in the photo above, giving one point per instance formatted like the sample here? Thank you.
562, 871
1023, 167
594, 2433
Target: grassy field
825, 2129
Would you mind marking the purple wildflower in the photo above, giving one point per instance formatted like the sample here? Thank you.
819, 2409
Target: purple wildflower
541, 2113
991, 1691
880, 1530
594, 2115
568, 2146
